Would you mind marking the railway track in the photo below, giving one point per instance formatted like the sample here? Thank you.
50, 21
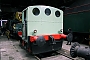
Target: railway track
57, 54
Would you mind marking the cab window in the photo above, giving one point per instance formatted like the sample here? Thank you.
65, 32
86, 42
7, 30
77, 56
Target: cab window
36, 11
47, 11
57, 13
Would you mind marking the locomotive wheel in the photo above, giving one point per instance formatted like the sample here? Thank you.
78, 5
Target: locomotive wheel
73, 49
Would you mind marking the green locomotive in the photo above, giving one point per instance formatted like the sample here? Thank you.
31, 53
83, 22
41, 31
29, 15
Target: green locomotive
78, 19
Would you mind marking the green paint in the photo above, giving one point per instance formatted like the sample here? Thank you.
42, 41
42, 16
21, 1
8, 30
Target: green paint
79, 22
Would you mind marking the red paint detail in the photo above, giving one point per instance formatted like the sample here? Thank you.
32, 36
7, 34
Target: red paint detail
33, 38
19, 32
59, 36
46, 37
63, 36
55, 36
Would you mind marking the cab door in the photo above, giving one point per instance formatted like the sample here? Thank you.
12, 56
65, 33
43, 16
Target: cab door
24, 26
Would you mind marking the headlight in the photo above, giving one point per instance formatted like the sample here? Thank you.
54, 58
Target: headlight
35, 31
61, 30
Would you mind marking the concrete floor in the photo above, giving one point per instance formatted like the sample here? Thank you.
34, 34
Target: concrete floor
10, 50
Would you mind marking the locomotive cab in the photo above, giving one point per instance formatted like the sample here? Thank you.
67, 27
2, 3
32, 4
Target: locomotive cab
42, 29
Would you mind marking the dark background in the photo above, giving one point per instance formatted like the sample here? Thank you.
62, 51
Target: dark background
9, 7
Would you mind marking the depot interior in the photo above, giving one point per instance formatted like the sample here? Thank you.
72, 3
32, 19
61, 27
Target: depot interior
76, 13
